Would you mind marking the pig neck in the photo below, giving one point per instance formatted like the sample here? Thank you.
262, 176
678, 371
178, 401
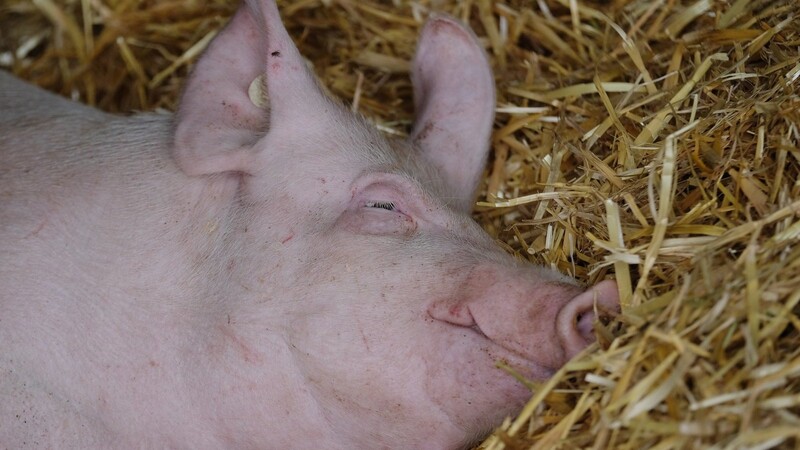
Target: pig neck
143, 342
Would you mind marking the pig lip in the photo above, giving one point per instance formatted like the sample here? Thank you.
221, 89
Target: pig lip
514, 360
496, 351
524, 366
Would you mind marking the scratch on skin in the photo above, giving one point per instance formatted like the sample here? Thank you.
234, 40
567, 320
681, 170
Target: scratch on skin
241, 347
37, 230
364, 338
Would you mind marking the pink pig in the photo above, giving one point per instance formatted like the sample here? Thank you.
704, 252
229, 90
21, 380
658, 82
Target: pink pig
239, 278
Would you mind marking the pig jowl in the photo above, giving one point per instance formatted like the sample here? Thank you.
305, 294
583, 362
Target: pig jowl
248, 275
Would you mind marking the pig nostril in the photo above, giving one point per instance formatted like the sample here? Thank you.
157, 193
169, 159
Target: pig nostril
585, 326
576, 320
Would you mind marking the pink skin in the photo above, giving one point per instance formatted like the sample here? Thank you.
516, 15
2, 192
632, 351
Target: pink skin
242, 279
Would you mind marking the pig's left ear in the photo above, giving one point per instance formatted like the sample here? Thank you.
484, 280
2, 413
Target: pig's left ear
455, 100
218, 124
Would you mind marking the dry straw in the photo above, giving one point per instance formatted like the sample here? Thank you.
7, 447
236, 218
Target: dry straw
655, 141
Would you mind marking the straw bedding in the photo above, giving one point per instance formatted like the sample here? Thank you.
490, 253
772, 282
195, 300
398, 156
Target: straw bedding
653, 141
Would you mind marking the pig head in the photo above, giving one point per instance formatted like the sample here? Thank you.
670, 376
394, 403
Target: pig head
299, 280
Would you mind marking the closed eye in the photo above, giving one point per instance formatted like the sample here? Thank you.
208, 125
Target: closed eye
389, 206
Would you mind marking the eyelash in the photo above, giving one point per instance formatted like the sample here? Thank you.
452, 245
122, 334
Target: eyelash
389, 206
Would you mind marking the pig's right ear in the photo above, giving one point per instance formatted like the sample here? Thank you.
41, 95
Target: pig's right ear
217, 123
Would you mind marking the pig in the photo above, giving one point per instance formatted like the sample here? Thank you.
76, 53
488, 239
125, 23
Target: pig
266, 274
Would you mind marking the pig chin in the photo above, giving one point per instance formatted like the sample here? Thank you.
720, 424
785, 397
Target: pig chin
501, 396
470, 388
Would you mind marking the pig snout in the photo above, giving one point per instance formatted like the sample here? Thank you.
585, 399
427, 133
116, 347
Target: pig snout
575, 321
540, 323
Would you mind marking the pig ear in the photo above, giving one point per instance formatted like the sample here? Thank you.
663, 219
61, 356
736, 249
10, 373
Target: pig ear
455, 99
217, 122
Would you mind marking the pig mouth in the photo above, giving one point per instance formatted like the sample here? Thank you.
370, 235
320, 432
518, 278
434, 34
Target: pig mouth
505, 358
499, 348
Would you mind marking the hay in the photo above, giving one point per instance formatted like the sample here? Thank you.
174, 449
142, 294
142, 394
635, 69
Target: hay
655, 141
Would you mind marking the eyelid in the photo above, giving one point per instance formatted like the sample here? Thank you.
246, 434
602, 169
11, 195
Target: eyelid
408, 196
405, 194
385, 187
375, 221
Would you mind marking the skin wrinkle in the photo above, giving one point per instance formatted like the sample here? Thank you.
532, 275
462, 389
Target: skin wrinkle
331, 406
